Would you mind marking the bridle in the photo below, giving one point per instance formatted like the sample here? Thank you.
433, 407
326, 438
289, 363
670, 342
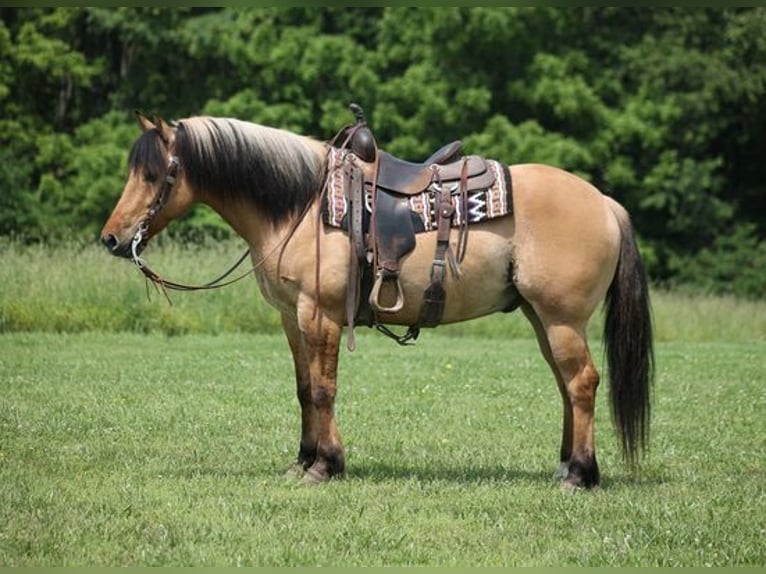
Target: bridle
158, 203
154, 208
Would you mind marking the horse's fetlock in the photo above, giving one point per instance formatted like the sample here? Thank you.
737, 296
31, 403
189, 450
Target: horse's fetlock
583, 472
307, 454
332, 458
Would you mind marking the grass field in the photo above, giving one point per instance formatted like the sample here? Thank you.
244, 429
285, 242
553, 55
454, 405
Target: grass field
130, 449
137, 433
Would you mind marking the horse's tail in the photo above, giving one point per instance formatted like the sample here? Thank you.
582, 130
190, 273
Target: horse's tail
628, 344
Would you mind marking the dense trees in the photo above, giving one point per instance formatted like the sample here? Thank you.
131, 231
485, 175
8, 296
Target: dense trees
664, 109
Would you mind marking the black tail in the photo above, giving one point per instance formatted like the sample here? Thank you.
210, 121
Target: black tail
629, 347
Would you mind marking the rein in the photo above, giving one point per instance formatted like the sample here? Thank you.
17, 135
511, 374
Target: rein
156, 206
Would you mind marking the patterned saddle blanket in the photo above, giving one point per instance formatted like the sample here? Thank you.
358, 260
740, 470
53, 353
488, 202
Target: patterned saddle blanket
482, 204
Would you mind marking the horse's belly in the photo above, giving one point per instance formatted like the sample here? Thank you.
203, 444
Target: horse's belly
485, 284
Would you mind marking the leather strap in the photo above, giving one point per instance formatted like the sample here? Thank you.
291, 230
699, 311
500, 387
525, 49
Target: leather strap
462, 240
354, 191
432, 308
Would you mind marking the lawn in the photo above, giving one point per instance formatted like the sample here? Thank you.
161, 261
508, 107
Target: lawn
148, 449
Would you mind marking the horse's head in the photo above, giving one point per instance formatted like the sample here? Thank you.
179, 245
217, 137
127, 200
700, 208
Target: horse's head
154, 194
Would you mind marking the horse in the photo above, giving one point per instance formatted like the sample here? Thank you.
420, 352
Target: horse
564, 251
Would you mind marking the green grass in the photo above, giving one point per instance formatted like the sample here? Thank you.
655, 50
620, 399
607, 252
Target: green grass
123, 443
70, 289
130, 449
73, 289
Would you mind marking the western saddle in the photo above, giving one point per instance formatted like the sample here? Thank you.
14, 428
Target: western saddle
381, 240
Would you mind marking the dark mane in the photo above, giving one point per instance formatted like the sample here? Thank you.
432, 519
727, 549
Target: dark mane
275, 169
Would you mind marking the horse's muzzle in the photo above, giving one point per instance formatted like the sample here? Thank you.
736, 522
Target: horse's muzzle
112, 243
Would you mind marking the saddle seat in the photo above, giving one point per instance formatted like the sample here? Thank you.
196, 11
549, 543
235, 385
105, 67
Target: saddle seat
402, 177
388, 173
445, 154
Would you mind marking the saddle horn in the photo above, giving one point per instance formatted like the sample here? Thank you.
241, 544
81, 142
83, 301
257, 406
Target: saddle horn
358, 113
362, 141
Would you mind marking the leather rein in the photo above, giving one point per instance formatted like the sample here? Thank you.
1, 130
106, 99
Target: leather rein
156, 206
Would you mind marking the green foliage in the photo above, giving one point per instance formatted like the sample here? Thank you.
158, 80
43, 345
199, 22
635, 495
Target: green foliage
661, 108
733, 264
529, 142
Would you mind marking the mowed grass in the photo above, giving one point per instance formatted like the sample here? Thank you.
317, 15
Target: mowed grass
131, 449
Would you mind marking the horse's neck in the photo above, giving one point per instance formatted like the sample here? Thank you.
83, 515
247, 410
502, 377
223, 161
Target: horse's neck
262, 236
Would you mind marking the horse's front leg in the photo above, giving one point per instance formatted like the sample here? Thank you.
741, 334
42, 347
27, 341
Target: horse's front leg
307, 449
321, 439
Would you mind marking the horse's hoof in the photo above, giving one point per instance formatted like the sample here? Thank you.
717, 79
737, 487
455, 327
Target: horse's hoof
313, 477
562, 471
573, 484
294, 471
568, 486
581, 473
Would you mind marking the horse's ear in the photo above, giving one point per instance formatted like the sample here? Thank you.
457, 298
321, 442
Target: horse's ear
144, 123
165, 130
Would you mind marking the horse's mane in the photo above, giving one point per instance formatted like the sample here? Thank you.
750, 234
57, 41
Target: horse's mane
276, 169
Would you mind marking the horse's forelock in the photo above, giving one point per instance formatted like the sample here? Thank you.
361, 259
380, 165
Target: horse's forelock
147, 154
274, 168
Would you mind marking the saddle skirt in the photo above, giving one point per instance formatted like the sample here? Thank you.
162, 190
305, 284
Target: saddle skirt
493, 199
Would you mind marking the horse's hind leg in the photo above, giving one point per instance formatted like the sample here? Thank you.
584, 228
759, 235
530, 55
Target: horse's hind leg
573, 361
565, 452
566, 350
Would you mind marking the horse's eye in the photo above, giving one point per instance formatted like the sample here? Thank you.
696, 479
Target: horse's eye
150, 177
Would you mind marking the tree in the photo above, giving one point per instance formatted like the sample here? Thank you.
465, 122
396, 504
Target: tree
662, 108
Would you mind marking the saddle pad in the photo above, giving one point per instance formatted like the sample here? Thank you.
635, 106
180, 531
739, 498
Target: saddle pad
485, 204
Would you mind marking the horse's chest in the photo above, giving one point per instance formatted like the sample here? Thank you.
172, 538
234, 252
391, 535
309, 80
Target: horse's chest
274, 290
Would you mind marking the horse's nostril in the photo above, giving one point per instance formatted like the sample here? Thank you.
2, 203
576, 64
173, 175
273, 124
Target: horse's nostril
111, 242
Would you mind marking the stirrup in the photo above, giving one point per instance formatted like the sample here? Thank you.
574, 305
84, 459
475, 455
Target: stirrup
374, 300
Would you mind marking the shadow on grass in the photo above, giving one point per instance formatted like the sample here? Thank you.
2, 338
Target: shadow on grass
379, 471
627, 479
375, 471
385, 471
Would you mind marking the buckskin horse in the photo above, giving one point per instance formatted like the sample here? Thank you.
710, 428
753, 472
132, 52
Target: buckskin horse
562, 249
